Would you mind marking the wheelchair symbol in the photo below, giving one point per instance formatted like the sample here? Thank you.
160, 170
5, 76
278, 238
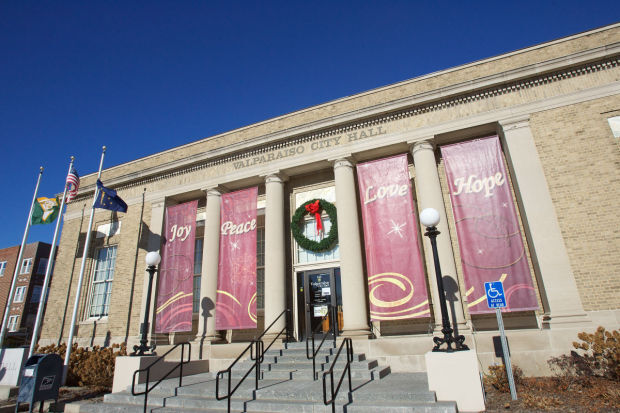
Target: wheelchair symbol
493, 293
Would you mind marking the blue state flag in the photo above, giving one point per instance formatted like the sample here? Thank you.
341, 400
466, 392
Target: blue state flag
107, 199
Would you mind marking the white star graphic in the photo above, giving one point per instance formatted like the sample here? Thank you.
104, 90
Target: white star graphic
234, 245
480, 251
505, 204
396, 228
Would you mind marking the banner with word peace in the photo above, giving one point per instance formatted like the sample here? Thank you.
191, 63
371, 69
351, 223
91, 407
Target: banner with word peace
176, 274
396, 280
487, 225
236, 282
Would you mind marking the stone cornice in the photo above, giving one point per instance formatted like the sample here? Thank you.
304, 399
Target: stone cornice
535, 75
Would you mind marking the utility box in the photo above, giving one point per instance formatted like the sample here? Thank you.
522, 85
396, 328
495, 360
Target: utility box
40, 380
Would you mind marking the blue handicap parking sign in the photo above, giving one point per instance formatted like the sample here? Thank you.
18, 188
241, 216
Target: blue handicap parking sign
495, 294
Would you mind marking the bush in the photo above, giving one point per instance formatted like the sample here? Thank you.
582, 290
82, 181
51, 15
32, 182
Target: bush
93, 368
498, 378
600, 357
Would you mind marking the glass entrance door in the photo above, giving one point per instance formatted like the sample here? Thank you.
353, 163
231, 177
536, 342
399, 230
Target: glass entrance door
317, 290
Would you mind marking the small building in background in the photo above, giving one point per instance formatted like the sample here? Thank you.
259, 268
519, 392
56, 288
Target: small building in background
27, 295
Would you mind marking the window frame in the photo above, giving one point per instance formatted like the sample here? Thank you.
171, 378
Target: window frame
28, 267
3, 265
101, 308
13, 323
21, 290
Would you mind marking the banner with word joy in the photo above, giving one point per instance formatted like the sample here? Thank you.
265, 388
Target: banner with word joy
487, 225
396, 280
176, 274
236, 281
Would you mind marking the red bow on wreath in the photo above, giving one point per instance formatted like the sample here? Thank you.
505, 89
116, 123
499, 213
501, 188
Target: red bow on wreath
315, 209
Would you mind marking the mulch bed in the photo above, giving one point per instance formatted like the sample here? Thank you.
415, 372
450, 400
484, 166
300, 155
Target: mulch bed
553, 394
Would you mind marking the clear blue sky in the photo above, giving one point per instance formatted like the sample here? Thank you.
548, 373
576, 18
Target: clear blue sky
141, 77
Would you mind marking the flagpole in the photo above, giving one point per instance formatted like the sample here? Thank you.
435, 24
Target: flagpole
9, 300
81, 277
48, 273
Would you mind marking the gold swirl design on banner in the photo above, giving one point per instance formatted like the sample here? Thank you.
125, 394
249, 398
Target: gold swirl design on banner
484, 296
173, 299
229, 295
404, 284
390, 277
252, 316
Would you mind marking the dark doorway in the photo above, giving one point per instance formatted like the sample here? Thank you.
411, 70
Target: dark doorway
316, 290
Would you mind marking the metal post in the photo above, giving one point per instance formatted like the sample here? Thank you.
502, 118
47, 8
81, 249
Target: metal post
448, 336
502, 332
144, 328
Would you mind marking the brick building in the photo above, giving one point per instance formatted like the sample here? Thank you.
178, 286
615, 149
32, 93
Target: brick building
551, 107
23, 310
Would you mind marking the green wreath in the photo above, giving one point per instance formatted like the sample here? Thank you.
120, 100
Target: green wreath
327, 242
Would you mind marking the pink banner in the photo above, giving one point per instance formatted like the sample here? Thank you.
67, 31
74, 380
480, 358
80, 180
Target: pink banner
176, 274
236, 281
487, 225
396, 280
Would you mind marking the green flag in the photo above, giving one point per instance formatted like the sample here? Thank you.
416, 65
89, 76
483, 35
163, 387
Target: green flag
45, 211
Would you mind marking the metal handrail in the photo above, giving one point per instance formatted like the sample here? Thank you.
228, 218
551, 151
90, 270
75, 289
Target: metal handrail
147, 369
347, 369
286, 327
315, 352
257, 354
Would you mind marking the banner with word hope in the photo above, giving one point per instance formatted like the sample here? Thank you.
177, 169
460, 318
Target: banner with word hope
236, 282
396, 280
176, 273
487, 225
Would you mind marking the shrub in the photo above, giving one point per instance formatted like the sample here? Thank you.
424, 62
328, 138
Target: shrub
600, 356
89, 367
498, 378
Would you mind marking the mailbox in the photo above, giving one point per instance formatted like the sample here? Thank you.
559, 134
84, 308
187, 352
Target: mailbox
41, 379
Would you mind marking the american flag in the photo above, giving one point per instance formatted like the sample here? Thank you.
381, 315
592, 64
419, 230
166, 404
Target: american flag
73, 183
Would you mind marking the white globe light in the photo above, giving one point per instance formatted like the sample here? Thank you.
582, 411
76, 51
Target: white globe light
429, 217
153, 258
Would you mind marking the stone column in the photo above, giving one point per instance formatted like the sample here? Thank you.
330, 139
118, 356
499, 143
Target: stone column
275, 259
158, 208
210, 261
560, 296
354, 289
430, 196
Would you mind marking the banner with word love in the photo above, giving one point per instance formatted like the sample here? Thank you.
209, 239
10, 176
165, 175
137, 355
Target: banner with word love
176, 274
487, 225
396, 280
236, 282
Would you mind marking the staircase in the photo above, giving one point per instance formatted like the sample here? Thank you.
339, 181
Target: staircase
287, 386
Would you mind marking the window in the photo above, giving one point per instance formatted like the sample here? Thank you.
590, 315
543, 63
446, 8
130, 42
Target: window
614, 124
20, 292
305, 256
102, 282
2, 268
197, 273
42, 266
12, 325
36, 294
26, 266
260, 266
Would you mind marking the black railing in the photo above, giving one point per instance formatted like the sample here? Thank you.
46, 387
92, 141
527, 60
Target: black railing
347, 369
331, 313
147, 369
257, 354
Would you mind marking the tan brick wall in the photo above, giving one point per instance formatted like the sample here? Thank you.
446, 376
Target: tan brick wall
581, 160
124, 315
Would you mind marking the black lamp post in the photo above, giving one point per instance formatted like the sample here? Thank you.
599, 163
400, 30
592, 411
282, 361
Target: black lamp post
430, 218
152, 261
